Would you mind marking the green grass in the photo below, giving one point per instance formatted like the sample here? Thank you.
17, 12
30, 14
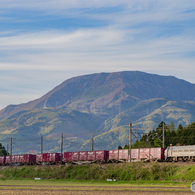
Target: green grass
185, 173
126, 174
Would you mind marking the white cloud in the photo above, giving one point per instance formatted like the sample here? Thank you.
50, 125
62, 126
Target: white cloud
137, 35
124, 10
57, 39
59, 50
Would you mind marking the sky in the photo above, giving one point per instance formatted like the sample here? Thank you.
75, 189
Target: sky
45, 42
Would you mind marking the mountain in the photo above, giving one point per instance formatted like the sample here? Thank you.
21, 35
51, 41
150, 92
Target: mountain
104, 103
107, 93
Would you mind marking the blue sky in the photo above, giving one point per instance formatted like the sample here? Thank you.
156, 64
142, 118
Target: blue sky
44, 42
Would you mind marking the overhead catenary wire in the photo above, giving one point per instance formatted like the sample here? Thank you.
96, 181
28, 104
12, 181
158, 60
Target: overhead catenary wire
70, 137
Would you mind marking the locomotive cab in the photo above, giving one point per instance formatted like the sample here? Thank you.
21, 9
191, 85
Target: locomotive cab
180, 153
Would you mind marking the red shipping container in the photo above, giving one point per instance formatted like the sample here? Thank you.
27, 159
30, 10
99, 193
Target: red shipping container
7, 159
124, 154
29, 158
75, 156
39, 157
101, 155
82, 155
54, 157
113, 154
12, 159
144, 153
68, 156
2, 160
21, 158
46, 157
91, 155
135, 154
15, 159
157, 153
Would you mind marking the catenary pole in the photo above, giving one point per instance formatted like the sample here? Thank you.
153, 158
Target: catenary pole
130, 131
7, 148
61, 148
11, 151
163, 135
41, 144
92, 140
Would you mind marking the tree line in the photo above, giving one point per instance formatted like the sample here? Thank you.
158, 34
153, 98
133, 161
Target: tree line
181, 136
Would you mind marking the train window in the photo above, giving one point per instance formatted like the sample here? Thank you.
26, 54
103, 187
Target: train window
186, 150
180, 150
174, 150
192, 150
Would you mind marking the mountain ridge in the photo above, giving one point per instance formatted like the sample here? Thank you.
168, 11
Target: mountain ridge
103, 90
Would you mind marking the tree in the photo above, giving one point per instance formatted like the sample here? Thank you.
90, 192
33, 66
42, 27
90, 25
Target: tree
126, 147
171, 126
3, 152
157, 143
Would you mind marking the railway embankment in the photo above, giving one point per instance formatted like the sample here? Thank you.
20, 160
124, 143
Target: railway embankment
121, 172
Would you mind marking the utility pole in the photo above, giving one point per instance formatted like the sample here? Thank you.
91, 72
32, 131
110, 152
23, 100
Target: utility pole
41, 144
92, 140
7, 148
61, 147
11, 151
130, 132
163, 135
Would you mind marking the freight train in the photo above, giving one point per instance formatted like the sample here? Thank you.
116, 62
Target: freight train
172, 153
94, 156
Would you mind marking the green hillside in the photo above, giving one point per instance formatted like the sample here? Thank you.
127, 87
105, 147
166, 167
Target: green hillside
28, 127
181, 112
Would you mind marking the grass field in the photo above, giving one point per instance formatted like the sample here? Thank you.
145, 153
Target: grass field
139, 178
45, 182
150, 172
90, 188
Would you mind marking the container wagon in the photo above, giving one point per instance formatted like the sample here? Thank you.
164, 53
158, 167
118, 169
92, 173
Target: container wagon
2, 160
67, 156
29, 159
124, 154
50, 158
54, 158
7, 160
113, 155
39, 158
91, 155
101, 155
83, 156
75, 156
153, 154
157, 154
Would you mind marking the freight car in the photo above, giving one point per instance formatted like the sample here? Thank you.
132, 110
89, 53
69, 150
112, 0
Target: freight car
153, 154
22, 159
180, 153
48, 158
2, 160
99, 155
123, 155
